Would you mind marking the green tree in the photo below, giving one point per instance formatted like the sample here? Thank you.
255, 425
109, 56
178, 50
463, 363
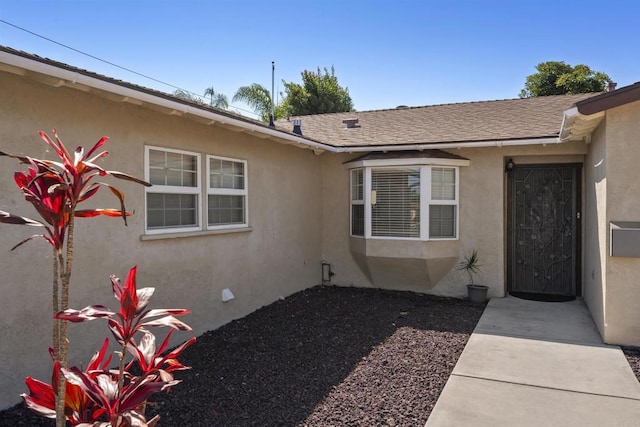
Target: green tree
559, 78
218, 100
318, 93
258, 97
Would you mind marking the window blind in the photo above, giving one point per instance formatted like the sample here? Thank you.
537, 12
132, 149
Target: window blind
396, 211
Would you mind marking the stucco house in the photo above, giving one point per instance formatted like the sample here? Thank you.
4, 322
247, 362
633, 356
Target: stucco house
389, 198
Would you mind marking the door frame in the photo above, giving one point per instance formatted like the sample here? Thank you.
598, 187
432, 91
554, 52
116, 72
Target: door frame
509, 230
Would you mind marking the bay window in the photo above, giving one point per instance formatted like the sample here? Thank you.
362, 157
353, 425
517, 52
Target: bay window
404, 201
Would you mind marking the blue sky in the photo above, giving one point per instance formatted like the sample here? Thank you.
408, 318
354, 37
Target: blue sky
387, 53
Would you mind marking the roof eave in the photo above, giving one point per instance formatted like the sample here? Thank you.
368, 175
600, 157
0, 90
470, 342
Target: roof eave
577, 126
450, 145
580, 121
19, 65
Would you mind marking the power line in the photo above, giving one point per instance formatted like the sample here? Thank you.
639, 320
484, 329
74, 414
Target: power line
113, 64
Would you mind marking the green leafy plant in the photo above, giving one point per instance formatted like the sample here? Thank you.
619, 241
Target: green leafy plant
471, 265
56, 189
99, 396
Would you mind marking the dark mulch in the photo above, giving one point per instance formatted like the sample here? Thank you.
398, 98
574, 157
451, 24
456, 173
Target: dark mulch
327, 356
633, 356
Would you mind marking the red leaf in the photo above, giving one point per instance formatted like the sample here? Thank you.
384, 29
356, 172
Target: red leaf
57, 145
97, 145
166, 311
86, 383
41, 398
117, 287
128, 177
182, 347
7, 218
140, 389
98, 357
147, 347
97, 157
116, 330
88, 313
129, 298
89, 193
90, 213
169, 321
144, 296
78, 156
165, 343
136, 419
23, 159
34, 237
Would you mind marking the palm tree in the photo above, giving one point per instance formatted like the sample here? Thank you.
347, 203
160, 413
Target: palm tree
257, 97
218, 100
186, 95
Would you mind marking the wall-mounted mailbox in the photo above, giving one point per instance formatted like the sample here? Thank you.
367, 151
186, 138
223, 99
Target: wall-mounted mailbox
624, 239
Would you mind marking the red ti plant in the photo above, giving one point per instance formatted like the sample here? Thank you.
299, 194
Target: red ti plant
101, 397
78, 407
55, 189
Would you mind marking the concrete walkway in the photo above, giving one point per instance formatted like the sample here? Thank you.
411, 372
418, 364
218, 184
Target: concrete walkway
538, 364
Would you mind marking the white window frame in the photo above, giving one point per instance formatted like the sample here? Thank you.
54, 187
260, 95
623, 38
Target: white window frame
227, 191
438, 202
425, 165
173, 189
354, 201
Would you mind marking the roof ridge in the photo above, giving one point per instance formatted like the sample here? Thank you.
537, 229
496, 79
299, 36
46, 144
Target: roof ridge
416, 107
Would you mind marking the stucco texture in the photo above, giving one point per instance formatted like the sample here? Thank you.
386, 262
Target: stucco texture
279, 254
622, 200
595, 241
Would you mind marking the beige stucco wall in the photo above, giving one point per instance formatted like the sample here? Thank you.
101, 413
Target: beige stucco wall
280, 255
622, 296
481, 226
595, 236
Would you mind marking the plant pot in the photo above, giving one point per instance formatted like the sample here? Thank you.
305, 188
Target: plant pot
477, 293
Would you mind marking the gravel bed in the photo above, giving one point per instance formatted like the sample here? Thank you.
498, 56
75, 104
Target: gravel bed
326, 356
633, 356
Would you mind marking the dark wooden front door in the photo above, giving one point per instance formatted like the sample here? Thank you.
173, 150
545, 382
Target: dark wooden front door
543, 220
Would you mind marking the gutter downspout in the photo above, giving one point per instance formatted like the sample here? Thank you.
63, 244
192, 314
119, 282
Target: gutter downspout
568, 118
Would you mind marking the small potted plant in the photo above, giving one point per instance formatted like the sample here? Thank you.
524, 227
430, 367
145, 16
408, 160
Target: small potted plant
470, 264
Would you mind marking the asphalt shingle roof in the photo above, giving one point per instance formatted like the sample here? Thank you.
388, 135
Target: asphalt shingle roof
447, 123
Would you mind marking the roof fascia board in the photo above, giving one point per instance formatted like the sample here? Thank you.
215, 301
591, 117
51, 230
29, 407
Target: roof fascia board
609, 100
450, 145
132, 94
